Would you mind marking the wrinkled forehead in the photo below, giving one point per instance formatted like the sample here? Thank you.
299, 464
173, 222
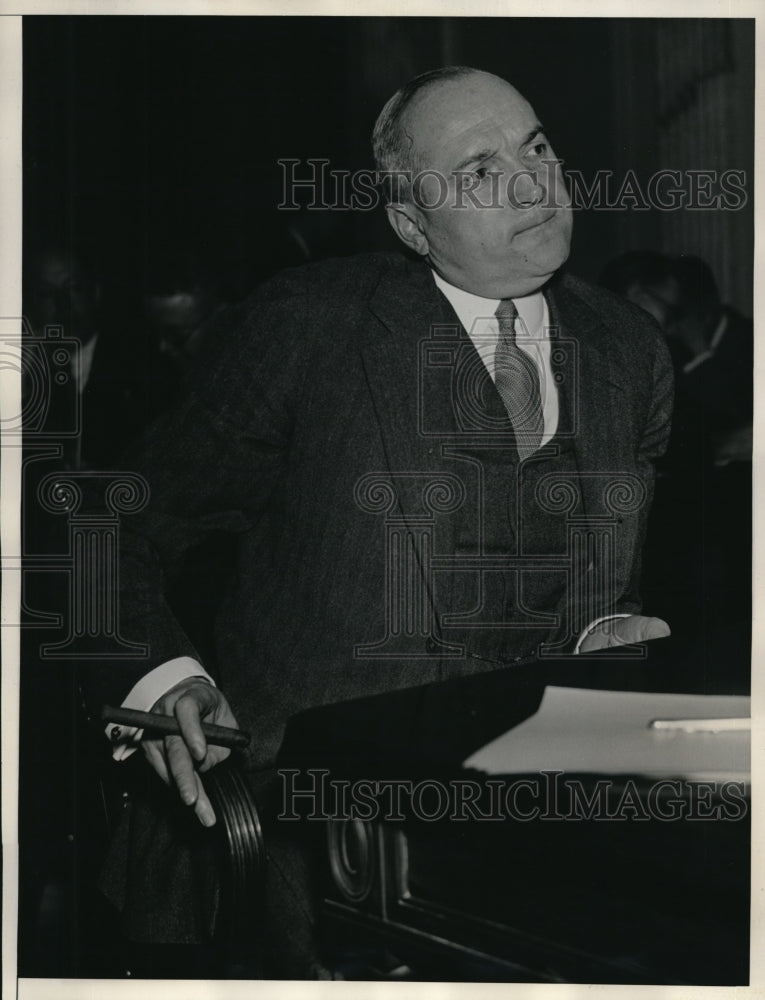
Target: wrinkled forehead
452, 116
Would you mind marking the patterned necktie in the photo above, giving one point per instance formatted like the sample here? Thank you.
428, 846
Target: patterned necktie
517, 381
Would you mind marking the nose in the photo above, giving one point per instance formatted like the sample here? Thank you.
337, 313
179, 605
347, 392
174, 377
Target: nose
525, 189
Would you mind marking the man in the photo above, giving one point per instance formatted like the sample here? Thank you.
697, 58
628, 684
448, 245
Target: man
117, 381
646, 278
714, 347
326, 412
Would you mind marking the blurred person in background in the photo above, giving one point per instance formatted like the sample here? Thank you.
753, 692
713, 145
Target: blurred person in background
117, 371
698, 557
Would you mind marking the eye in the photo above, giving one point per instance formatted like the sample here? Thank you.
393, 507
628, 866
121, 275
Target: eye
538, 148
481, 172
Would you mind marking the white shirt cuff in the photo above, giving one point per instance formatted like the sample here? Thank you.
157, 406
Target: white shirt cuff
592, 626
146, 693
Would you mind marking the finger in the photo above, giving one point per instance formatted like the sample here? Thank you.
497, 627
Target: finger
640, 629
186, 711
202, 807
656, 628
154, 753
214, 756
601, 637
222, 714
181, 768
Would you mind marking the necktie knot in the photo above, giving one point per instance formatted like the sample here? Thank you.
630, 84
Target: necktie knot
506, 314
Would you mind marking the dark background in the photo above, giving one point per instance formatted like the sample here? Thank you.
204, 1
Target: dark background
144, 131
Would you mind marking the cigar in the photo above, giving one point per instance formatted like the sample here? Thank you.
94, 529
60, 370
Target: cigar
167, 725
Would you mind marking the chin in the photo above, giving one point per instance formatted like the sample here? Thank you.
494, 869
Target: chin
557, 262
536, 274
551, 258
527, 286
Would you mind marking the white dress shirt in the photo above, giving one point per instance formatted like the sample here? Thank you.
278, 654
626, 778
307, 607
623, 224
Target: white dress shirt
532, 335
81, 367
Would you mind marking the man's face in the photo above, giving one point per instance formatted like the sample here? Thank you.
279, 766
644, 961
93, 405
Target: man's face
661, 300
62, 292
497, 222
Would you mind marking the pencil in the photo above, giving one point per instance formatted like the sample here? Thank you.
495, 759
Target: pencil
701, 725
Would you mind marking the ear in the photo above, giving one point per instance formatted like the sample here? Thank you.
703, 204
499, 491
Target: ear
407, 225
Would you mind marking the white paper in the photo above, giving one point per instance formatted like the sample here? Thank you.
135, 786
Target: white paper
608, 732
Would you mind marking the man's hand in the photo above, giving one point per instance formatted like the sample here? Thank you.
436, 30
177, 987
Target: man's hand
178, 759
623, 632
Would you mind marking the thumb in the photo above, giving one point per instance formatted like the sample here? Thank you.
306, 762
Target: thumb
639, 628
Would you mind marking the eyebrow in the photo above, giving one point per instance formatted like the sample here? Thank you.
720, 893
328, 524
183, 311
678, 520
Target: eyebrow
483, 154
537, 130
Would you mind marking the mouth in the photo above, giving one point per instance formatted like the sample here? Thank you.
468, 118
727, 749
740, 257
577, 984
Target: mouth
537, 223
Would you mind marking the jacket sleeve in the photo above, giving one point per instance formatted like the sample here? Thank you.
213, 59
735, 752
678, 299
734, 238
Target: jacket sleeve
651, 446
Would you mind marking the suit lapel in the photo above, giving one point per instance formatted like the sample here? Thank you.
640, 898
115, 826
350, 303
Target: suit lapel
406, 304
411, 314
410, 368
592, 391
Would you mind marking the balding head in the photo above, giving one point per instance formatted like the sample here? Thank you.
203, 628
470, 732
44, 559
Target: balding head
392, 144
489, 210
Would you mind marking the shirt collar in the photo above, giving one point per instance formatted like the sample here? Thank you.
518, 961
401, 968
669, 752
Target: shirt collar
84, 363
470, 307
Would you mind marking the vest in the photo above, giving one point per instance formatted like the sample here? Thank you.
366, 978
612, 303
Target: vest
502, 588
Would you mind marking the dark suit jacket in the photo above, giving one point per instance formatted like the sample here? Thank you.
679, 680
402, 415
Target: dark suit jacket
314, 386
